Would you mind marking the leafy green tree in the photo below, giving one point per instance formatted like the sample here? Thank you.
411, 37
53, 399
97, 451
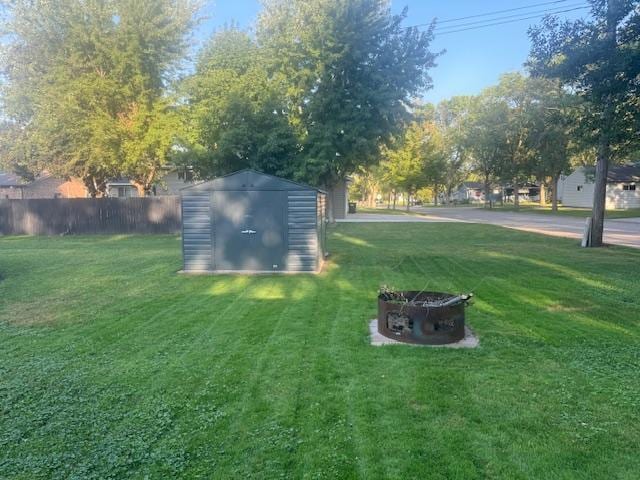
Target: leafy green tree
404, 163
486, 140
600, 60
517, 93
437, 155
450, 118
551, 135
351, 70
84, 86
237, 112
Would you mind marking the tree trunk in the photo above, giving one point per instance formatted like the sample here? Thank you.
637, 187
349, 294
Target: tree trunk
96, 188
435, 195
554, 193
604, 144
487, 193
330, 216
389, 201
543, 194
407, 201
395, 198
372, 198
600, 193
516, 195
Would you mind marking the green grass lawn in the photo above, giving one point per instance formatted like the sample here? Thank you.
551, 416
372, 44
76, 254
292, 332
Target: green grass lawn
114, 366
569, 211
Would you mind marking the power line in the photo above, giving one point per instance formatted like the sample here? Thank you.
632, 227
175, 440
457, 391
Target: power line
496, 12
516, 15
508, 21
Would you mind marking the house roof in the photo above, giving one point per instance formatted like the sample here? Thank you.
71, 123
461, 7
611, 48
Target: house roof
249, 179
473, 185
624, 173
10, 180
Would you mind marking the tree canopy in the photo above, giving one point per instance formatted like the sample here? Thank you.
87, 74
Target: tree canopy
85, 85
600, 60
352, 71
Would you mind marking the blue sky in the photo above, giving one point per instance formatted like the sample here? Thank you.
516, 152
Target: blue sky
473, 60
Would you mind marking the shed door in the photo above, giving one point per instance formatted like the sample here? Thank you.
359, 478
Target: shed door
250, 230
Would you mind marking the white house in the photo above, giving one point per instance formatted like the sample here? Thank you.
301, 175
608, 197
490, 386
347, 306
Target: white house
472, 192
170, 181
576, 190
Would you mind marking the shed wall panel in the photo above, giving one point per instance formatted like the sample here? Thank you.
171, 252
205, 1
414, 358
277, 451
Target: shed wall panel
197, 239
302, 222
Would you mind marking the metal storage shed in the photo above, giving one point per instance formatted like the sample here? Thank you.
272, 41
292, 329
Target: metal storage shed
252, 222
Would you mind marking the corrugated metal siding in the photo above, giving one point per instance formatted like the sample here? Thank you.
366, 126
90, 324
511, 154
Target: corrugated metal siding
302, 231
197, 239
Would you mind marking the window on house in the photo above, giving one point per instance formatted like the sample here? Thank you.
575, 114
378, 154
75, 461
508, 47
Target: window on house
579, 188
123, 192
630, 187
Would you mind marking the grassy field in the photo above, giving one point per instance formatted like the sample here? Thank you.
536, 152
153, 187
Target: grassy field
114, 366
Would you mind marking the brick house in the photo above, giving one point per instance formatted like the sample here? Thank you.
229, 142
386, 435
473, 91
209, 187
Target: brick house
45, 186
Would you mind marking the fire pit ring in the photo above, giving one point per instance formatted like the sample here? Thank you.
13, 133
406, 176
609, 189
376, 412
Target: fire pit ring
427, 318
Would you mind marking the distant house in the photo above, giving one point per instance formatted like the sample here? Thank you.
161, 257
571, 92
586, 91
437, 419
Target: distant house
472, 192
44, 186
170, 181
122, 187
576, 190
173, 179
527, 192
10, 185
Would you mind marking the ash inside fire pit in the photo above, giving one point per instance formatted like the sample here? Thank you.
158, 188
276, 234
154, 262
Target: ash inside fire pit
429, 318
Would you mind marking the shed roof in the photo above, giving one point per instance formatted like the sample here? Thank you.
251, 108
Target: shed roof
249, 180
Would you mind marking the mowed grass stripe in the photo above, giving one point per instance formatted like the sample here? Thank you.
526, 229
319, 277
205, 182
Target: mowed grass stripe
134, 372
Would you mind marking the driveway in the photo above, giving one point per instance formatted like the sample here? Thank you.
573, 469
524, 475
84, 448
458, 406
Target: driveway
619, 232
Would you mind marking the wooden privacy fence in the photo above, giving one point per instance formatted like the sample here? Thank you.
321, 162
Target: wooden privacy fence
70, 216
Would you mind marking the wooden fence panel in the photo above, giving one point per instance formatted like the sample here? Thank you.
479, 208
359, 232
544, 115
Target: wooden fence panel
76, 216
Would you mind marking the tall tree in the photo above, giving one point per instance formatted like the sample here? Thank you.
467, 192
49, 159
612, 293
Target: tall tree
84, 85
237, 112
516, 92
486, 140
404, 162
450, 116
437, 155
551, 135
600, 60
352, 70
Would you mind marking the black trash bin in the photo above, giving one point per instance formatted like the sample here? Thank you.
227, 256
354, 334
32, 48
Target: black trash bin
352, 207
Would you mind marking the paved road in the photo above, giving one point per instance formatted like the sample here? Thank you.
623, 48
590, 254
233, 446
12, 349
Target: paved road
619, 232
